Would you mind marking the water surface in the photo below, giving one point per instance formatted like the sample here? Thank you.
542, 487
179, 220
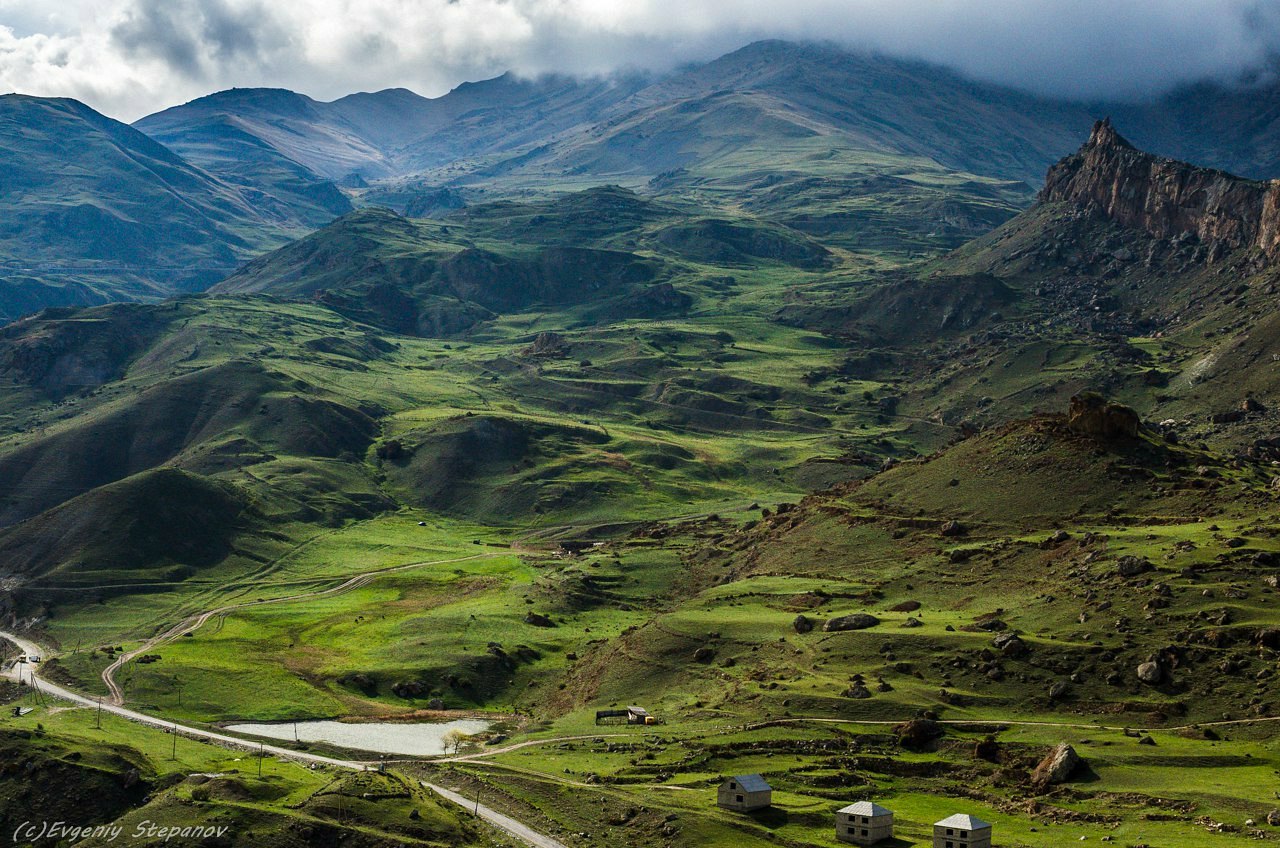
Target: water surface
413, 739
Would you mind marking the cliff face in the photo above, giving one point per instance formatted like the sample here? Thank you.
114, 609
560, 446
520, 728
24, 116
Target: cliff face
1166, 198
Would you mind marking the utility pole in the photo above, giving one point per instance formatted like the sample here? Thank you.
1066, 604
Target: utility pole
174, 756
261, 751
98, 717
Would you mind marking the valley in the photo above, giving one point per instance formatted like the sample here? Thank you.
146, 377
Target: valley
862, 466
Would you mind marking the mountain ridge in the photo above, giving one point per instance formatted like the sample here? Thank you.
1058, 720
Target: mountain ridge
1165, 197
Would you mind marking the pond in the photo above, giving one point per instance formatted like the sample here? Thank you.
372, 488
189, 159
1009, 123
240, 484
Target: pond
416, 739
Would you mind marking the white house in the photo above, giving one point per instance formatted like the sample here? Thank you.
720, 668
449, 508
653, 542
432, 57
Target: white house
864, 823
745, 792
962, 831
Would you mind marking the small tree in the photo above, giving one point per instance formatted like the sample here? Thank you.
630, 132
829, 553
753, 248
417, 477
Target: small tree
454, 739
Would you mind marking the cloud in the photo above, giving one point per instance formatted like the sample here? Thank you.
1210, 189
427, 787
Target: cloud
129, 57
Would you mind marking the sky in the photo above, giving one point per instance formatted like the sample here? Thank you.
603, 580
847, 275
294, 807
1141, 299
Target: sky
128, 58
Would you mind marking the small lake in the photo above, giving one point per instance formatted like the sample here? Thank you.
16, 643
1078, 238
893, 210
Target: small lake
411, 739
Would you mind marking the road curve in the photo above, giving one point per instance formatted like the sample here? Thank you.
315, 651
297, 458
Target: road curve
26, 673
506, 823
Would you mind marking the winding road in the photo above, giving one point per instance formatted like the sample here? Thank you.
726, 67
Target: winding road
26, 673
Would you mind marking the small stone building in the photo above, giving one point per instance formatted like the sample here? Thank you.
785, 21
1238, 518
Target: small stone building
864, 823
744, 793
962, 831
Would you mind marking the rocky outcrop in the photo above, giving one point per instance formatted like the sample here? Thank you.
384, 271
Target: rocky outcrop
1090, 414
1166, 198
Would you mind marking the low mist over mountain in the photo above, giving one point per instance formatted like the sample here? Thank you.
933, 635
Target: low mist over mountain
245, 168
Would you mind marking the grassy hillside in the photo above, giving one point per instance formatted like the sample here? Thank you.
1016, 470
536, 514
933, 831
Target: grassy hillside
830, 517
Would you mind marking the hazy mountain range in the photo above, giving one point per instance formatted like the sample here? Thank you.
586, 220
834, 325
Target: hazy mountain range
96, 211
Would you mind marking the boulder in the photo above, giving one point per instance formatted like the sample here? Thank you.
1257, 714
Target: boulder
857, 621
1057, 766
538, 620
987, 749
1150, 673
1010, 645
1273, 818
952, 528
1132, 566
1058, 689
704, 655
802, 623
859, 691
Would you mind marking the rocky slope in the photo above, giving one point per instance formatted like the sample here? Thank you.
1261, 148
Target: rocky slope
1166, 198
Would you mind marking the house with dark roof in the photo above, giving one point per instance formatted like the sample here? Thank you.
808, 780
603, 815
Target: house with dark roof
962, 831
744, 793
864, 823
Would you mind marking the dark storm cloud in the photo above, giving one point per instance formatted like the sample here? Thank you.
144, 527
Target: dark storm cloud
193, 37
131, 56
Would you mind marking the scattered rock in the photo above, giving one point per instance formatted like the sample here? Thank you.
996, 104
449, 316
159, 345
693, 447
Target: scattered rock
912, 622
704, 655
952, 528
802, 624
1058, 689
538, 620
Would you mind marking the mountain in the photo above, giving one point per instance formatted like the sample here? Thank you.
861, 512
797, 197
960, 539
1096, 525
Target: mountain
239, 150
373, 135
284, 125
780, 94
92, 210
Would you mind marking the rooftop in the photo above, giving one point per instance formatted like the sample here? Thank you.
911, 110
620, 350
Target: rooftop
963, 821
866, 808
752, 782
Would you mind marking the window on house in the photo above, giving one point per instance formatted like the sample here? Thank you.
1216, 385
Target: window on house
740, 799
